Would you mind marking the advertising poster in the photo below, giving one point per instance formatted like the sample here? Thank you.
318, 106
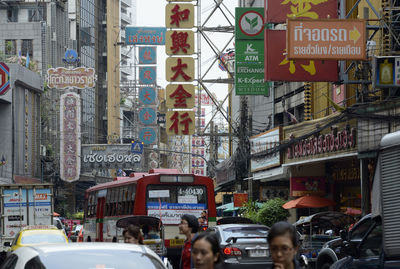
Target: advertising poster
15, 211
40, 206
171, 213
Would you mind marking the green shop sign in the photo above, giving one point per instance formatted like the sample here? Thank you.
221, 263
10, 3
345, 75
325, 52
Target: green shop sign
249, 68
249, 23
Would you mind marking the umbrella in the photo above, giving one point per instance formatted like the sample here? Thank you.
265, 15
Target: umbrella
309, 201
55, 214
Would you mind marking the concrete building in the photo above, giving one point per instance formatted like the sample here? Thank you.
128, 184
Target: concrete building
20, 135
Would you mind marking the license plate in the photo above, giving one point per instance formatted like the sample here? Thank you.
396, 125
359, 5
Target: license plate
258, 253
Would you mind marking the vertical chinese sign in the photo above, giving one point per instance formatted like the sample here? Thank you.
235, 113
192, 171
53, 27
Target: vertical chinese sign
146, 36
180, 72
179, 45
70, 145
277, 65
249, 56
198, 150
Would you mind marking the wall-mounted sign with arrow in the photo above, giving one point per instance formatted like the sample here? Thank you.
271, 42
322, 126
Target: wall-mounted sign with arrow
328, 39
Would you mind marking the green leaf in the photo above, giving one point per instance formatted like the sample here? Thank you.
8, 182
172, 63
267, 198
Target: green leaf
248, 20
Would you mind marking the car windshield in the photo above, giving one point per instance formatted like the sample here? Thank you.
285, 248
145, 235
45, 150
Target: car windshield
42, 238
246, 234
87, 259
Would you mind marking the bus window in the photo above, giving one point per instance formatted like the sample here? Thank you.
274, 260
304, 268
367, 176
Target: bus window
175, 200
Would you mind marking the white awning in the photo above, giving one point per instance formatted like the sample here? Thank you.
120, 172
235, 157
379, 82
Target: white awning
280, 172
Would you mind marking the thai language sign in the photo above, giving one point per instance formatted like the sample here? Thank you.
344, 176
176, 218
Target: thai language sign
171, 213
64, 78
98, 157
40, 202
15, 213
331, 142
279, 68
329, 39
145, 35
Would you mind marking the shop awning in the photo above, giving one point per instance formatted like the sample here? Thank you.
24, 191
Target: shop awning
324, 159
280, 172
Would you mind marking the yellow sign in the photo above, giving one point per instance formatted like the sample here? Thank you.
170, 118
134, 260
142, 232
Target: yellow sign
179, 16
180, 96
179, 69
179, 42
176, 242
180, 122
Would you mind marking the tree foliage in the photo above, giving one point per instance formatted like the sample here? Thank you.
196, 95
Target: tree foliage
272, 211
268, 213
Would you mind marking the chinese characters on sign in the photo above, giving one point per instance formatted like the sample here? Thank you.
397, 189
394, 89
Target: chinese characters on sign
148, 94
180, 70
70, 145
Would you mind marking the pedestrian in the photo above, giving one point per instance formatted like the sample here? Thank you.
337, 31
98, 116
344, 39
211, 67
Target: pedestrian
188, 226
283, 244
67, 229
205, 251
132, 235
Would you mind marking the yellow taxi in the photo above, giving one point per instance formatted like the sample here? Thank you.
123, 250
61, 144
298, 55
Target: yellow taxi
37, 235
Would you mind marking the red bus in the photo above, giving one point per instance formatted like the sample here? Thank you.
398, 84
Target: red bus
163, 193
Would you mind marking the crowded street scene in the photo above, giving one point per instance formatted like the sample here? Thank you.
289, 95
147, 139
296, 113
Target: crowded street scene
200, 134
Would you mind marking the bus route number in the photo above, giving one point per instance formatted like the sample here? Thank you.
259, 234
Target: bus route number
191, 191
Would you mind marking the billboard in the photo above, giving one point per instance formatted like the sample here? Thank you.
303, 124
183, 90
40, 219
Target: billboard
279, 68
278, 11
64, 78
326, 39
265, 142
249, 68
70, 142
301, 186
145, 35
386, 71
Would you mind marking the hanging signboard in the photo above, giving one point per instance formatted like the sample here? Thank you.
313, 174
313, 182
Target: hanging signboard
148, 55
180, 96
147, 115
64, 78
4, 78
147, 96
147, 75
328, 39
179, 16
145, 35
249, 67
386, 71
70, 142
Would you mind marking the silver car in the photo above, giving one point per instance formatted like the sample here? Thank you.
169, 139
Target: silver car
243, 245
84, 256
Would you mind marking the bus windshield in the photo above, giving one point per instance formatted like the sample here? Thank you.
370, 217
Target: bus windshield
170, 202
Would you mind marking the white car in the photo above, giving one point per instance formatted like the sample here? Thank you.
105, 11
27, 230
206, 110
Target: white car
84, 256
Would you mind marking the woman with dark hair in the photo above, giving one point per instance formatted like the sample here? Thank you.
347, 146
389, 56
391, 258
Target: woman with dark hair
283, 244
132, 235
188, 227
205, 251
